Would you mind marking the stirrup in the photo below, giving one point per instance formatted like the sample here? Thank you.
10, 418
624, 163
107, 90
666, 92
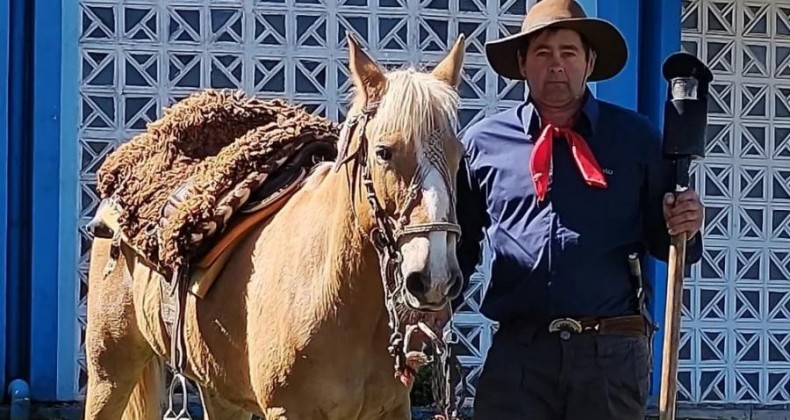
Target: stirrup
178, 379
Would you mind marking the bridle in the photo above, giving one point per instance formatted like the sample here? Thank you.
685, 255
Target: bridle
399, 225
390, 231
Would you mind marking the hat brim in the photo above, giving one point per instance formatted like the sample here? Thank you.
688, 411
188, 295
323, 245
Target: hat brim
609, 45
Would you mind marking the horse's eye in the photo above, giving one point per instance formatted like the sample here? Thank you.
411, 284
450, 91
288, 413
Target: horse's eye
383, 153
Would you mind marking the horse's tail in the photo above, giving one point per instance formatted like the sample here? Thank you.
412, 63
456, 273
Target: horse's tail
145, 403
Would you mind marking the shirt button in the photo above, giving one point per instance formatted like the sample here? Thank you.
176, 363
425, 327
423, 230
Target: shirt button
548, 284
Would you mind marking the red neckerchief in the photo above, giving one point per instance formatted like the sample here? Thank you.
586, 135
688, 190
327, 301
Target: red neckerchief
540, 162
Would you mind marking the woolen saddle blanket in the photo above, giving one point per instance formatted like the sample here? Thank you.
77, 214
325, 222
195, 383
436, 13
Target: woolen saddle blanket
212, 167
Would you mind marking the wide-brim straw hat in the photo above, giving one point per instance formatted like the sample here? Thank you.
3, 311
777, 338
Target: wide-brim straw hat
607, 42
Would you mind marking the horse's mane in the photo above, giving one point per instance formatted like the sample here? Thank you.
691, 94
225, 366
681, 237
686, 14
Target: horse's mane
414, 103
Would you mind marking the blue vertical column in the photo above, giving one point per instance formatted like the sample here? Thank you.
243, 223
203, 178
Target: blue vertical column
45, 198
591, 9
4, 36
660, 37
54, 198
68, 281
623, 88
17, 252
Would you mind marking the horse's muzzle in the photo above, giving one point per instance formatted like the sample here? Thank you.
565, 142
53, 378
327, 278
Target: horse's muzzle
423, 293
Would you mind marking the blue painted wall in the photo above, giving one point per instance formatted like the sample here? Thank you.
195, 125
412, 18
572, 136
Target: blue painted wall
652, 32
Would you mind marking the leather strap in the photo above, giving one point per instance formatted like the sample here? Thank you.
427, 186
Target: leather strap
623, 325
173, 306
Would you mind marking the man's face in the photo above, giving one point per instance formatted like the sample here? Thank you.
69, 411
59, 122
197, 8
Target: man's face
556, 67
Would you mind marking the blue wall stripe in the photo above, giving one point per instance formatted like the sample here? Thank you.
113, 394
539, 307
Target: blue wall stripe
591, 9
622, 89
4, 34
18, 199
46, 199
661, 35
68, 282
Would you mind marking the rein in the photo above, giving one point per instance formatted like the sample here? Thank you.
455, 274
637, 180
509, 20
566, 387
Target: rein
385, 237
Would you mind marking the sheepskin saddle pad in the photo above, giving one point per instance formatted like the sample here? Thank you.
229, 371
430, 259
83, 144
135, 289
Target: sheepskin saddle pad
178, 185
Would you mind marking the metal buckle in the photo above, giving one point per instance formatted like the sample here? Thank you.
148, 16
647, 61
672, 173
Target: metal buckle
565, 324
183, 414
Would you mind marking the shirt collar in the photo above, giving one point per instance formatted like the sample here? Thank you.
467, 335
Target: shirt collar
585, 126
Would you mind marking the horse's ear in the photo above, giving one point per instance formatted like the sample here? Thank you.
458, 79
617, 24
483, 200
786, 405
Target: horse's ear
449, 69
367, 75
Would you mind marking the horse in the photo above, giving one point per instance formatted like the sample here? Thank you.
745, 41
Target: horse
298, 323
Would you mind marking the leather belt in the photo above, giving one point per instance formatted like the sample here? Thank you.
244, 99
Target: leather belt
633, 325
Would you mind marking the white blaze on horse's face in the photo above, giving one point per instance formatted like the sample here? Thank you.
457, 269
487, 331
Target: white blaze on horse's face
430, 267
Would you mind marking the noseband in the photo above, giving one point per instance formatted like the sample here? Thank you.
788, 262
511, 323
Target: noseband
390, 230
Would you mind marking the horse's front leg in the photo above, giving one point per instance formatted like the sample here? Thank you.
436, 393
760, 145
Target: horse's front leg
119, 360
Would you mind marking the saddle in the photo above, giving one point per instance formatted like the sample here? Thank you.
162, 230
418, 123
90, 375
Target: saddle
263, 203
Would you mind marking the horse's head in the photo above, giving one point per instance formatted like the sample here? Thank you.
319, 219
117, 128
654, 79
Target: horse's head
401, 135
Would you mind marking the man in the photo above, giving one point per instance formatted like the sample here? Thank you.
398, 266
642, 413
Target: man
565, 187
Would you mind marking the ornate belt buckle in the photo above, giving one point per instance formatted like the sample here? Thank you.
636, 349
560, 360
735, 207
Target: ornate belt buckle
565, 324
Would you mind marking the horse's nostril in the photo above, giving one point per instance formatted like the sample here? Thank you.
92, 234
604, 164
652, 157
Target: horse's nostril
415, 284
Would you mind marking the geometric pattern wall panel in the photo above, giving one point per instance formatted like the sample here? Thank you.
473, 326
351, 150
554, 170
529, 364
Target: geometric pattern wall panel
735, 345
138, 56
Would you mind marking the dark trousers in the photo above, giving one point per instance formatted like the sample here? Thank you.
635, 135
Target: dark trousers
530, 373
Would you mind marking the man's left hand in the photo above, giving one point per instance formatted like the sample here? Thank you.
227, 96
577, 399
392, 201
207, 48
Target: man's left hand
683, 213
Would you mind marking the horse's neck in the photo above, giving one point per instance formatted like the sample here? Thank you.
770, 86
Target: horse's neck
349, 277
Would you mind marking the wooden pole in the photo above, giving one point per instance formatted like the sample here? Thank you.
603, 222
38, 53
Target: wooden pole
685, 119
674, 306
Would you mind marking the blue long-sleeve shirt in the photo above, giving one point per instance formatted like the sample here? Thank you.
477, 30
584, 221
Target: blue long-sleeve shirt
565, 256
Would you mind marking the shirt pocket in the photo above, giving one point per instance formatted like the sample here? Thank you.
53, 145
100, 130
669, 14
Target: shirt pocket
621, 200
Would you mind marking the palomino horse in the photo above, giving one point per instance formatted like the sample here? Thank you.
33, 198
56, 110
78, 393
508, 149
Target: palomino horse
297, 325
